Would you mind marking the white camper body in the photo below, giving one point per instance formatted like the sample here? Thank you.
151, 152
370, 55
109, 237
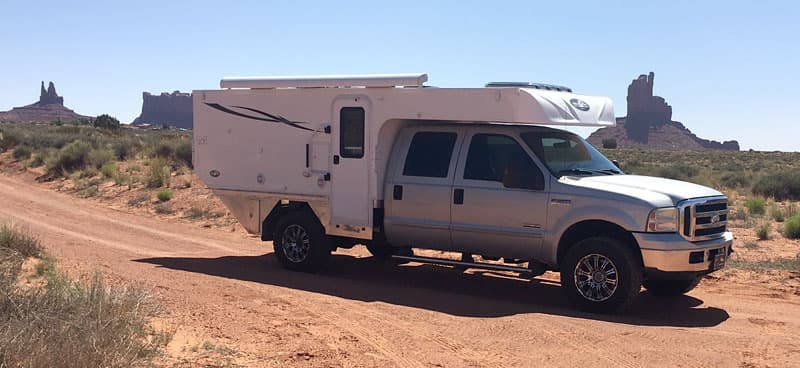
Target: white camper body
326, 141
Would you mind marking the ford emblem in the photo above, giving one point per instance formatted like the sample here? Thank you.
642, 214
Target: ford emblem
579, 104
715, 219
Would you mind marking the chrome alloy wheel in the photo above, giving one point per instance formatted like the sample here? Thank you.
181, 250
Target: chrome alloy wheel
295, 243
596, 277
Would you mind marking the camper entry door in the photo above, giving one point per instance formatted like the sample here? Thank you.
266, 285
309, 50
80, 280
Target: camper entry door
350, 205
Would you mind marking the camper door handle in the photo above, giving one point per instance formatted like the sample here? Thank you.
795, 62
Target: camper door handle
335, 159
458, 196
398, 193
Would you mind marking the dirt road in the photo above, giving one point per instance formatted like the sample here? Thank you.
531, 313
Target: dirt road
228, 287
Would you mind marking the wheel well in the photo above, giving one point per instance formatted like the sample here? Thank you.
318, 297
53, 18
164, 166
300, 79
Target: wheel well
281, 208
585, 229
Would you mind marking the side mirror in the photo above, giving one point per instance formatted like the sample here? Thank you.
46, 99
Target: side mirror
616, 163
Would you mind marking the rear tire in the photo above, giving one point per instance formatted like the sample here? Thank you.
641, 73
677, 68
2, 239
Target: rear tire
600, 274
671, 288
300, 243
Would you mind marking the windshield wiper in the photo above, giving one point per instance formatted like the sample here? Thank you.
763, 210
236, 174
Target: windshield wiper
611, 171
574, 172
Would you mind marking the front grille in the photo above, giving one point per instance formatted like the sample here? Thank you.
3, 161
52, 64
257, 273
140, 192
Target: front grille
703, 218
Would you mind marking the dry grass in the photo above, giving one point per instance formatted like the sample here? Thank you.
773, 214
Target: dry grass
64, 323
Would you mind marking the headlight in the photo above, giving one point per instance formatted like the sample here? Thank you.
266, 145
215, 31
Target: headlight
663, 220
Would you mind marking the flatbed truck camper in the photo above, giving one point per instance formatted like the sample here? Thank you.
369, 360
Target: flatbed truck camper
317, 163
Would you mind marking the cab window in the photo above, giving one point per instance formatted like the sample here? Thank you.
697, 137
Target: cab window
499, 158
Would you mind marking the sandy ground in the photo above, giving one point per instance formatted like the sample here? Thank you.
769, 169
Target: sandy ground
224, 288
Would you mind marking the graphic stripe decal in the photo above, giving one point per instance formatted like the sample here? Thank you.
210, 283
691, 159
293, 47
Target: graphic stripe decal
269, 117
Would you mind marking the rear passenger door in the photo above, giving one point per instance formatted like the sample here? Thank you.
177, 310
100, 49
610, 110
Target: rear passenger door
499, 197
418, 195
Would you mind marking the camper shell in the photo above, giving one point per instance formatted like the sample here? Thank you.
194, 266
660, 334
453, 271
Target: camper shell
313, 163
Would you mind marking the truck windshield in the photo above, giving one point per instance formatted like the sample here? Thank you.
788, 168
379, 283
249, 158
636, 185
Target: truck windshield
567, 154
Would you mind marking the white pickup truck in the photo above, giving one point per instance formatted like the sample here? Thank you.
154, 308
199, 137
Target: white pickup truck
316, 163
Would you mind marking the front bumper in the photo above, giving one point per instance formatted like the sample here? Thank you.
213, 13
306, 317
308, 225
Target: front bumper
672, 253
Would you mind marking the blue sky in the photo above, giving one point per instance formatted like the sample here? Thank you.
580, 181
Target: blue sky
729, 69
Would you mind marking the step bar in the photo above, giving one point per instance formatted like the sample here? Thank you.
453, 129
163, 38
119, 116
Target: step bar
450, 262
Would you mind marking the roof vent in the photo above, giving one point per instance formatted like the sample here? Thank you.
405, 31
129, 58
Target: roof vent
544, 86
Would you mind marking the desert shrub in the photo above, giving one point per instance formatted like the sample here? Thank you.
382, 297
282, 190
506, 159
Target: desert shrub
164, 209
89, 191
19, 241
183, 153
734, 180
164, 195
164, 150
195, 213
73, 156
781, 186
37, 161
677, 172
158, 174
762, 232
756, 206
609, 143
109, 170
21, 153
786, 264
777, 214
99, 157
138, 200
106, 121
8, 139
66, 324
791, 228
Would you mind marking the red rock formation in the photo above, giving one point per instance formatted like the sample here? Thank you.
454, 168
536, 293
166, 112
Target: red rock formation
49, 107
169, 109
649, 124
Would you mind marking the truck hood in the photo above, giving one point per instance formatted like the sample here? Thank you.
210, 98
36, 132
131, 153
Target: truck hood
645, 187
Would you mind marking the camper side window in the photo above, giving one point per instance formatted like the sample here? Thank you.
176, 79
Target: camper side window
351, 135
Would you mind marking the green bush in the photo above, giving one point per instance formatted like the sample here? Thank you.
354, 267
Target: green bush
609, 143
159, 173
734, 180
777, 214
791, 228
164, 195
763, 232
73, 156
756, 206
123, 149
37, 161
183, 153
781, 186
8, 139
21, 153
164, 150
109, 170
99, 157
106, 121
677, 172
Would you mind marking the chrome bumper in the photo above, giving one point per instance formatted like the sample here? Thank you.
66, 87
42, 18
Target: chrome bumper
672, 253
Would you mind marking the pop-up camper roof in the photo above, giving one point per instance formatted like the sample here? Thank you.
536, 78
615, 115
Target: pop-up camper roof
405, 97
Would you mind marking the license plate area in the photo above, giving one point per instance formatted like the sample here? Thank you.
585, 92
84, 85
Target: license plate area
718, 258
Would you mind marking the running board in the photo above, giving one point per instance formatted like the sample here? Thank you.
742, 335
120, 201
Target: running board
450, 262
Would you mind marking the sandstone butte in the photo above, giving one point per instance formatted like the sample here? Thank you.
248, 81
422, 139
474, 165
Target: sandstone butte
50, 107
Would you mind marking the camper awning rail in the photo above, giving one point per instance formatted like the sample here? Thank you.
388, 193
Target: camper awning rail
321, 81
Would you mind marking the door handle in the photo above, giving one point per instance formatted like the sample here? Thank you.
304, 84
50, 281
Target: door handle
398, 193
458, 196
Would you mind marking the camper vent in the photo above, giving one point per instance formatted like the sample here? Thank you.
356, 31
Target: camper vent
327, 81
548, 87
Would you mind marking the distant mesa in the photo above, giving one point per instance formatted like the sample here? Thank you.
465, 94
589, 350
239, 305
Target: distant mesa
649, 124
49, 107
167, 109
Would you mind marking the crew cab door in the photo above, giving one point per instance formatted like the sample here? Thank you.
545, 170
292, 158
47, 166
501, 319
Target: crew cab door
499, 197
419, 185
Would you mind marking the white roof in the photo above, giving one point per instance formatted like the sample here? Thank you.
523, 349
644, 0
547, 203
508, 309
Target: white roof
312, 81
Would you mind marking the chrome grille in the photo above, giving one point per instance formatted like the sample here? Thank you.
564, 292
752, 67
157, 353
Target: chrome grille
703, 218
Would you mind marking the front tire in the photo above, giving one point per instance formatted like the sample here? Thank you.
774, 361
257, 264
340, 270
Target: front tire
300, 243
600, 274
671, 288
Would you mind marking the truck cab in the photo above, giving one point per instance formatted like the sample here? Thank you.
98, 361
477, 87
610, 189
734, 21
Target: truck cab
534, 194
